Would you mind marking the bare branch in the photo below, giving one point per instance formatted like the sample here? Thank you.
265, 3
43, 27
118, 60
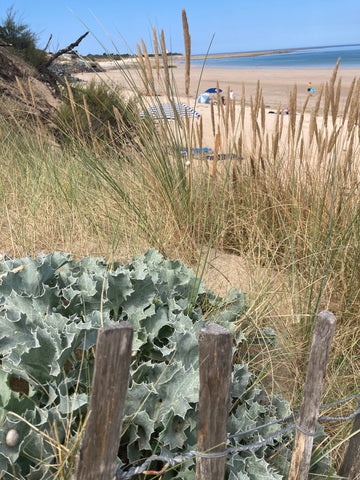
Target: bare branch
64, 50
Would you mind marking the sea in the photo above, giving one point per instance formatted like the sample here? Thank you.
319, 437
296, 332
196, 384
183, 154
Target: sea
317, 57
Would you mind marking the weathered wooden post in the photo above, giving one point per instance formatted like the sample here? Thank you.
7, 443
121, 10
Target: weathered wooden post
309, 410
350, 467
98, 454
215, 360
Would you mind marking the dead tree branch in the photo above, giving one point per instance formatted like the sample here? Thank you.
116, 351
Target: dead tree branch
64, 50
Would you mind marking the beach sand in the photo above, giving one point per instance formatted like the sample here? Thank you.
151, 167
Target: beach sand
276, 86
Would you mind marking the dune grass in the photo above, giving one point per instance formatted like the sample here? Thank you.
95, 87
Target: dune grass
285, 200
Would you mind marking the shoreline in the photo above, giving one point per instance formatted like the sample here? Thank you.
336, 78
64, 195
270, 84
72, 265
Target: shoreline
257, 53
237, 54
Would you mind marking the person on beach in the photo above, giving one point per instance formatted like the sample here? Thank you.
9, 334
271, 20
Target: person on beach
223, 100
310, 89
231, 94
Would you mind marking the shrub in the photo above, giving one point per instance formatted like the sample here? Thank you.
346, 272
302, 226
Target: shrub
22, 38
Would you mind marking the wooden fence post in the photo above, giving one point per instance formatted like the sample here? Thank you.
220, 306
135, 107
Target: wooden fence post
350, 467
309, 410
215, 360
98, 454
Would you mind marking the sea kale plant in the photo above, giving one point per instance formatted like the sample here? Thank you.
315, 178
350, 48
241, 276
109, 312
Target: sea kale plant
51, 310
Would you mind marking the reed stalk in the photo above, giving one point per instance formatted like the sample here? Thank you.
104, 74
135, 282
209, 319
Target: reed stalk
201, 133
240, 147
263, 115
218, 100
233, 116
187, 41
334, 73
148, 65
142, 68
165, 64
226, 115
301, 121
293, 109
318, 101
212, 117
22, 91
354, 108
326, 108
156, 53
217, 148
281, 122
335, 103
348, 99
258, 96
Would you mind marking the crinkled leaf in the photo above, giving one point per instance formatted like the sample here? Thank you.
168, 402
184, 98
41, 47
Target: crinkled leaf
240, 380
142, 297
71, 404
145, 429
173, 434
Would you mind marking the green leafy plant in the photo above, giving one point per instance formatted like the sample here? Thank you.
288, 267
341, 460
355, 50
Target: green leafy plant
51, 310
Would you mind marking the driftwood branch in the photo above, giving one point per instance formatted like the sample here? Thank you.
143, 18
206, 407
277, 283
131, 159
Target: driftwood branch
64, 50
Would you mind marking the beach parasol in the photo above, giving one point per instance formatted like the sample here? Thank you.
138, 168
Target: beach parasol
166, 110
204, 98
212, 90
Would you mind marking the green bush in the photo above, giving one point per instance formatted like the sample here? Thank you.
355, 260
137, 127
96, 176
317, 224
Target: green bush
22, 38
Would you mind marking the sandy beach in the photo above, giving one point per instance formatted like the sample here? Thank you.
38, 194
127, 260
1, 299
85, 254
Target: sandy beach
276, 86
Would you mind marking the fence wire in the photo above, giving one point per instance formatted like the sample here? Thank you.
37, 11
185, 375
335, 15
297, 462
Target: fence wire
173, 460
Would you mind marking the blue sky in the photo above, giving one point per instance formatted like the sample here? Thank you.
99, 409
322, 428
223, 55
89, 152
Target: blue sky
238, 25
